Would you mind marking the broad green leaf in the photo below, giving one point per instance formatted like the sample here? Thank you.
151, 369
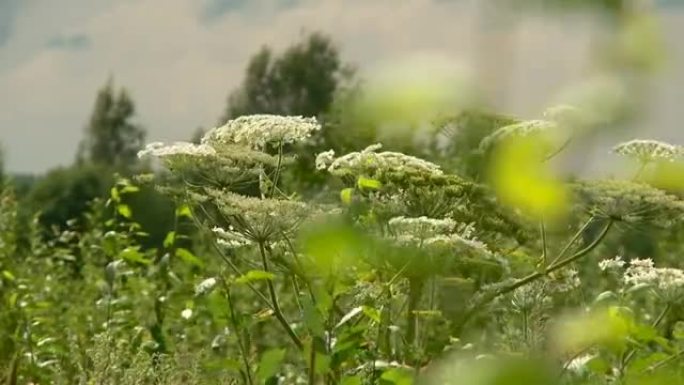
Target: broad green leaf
188, 257
322, 363
353, 380
129, 189
313, 320
132, 254
124, 210
170, 239
396, 377
255, 275
371, 313
114, 194
8, 275
270, 363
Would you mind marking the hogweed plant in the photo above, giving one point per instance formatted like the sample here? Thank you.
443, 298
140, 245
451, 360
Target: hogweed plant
411, 262
400, 271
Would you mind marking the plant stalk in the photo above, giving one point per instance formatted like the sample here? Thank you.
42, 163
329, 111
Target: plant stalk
275, 305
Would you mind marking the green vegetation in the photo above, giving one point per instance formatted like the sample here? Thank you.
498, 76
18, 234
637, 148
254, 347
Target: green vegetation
286, 246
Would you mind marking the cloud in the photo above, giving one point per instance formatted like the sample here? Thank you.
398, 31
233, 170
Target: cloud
69, 42
179, 68
7, 13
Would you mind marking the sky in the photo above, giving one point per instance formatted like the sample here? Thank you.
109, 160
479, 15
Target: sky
179, 59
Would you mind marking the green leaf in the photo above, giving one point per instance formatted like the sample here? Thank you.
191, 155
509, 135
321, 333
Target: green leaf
368, 183
322, 363
183, 211
371, 313
8, 275
170, 239
114, 194
124, 210
313, 319
270, 363
129, 189
346, 195
188, 257
255, 275
132, 254
396, 377
353, 380
606, 296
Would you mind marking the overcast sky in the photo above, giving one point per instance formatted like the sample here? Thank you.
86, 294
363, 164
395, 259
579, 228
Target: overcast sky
180, 58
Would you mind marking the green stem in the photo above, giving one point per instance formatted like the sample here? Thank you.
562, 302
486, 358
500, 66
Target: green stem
664, 362
630, 354
275, 305
415, 292
574, 239
241, 346
542, 230
537, 275
277, 172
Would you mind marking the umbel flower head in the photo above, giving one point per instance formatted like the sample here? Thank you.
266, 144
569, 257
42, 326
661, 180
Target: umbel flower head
668, 282
256, 220
631, 202
645, 150
372, 163
435, 233
256, 131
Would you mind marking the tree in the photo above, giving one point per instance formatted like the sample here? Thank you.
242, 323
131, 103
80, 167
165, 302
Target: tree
111, 139
301, 81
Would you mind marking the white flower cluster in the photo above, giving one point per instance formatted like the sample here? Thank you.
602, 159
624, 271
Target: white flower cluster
230, 239
611, 264
370, 160
667, 281
522, 129
325, 159
256, 131
205, 286
646, 150
431, 232
421, 225
160, 150
565, 280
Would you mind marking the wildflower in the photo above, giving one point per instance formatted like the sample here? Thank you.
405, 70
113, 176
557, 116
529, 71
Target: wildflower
421, 225
230, 239
666, 281
565, 280
256, 131
205, 286
521, 129
186, 313
646, 150
324, 159
611, 264
159, 150
370, 162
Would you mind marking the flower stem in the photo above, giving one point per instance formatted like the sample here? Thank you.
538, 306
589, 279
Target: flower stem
557, 264
275, 305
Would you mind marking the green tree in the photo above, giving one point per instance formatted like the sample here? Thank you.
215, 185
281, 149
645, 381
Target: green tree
303, 80
111, 138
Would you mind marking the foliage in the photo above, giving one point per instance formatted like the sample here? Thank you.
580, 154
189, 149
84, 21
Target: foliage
111, 138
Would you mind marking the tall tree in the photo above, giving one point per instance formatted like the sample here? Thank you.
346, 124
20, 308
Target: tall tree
111, 138
301, 81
